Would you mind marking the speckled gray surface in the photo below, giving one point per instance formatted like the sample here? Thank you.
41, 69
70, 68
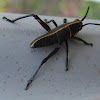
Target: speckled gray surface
18, 62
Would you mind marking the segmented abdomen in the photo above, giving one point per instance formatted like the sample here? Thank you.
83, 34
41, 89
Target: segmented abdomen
44, 40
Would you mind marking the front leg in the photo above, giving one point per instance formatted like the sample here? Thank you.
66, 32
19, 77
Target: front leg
79, 39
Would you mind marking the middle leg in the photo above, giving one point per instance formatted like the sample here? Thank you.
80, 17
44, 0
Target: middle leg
64, 20
66, 55
51, 21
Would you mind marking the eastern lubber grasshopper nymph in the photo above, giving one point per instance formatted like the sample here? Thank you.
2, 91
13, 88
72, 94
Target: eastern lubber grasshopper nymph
58, 35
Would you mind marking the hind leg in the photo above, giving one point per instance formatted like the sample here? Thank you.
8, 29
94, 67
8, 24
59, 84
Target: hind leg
43, 61
31, 15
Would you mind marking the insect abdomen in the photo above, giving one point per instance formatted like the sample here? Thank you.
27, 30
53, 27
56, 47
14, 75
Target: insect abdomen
44, 41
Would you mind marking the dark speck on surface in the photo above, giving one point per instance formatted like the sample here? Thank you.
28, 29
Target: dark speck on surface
70, 93
49, 80
19, 69
43, 74
63, 93
31, 94
51, 69
6, 56
25, 76
8, 76
5, 82
56, 58
17, 62
44, 79
94, 65
3, 34
22, 80
18, 95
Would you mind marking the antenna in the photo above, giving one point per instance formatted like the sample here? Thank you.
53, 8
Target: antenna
85, 14
90, 24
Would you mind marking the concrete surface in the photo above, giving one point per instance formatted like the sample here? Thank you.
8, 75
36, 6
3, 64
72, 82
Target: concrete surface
18, 62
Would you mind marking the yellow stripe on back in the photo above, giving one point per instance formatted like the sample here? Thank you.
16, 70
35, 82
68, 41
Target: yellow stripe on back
39, 20
54, 33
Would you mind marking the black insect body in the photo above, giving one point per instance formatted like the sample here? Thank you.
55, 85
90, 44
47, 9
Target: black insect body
57, 35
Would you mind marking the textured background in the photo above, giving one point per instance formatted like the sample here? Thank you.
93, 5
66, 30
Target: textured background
18, 62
